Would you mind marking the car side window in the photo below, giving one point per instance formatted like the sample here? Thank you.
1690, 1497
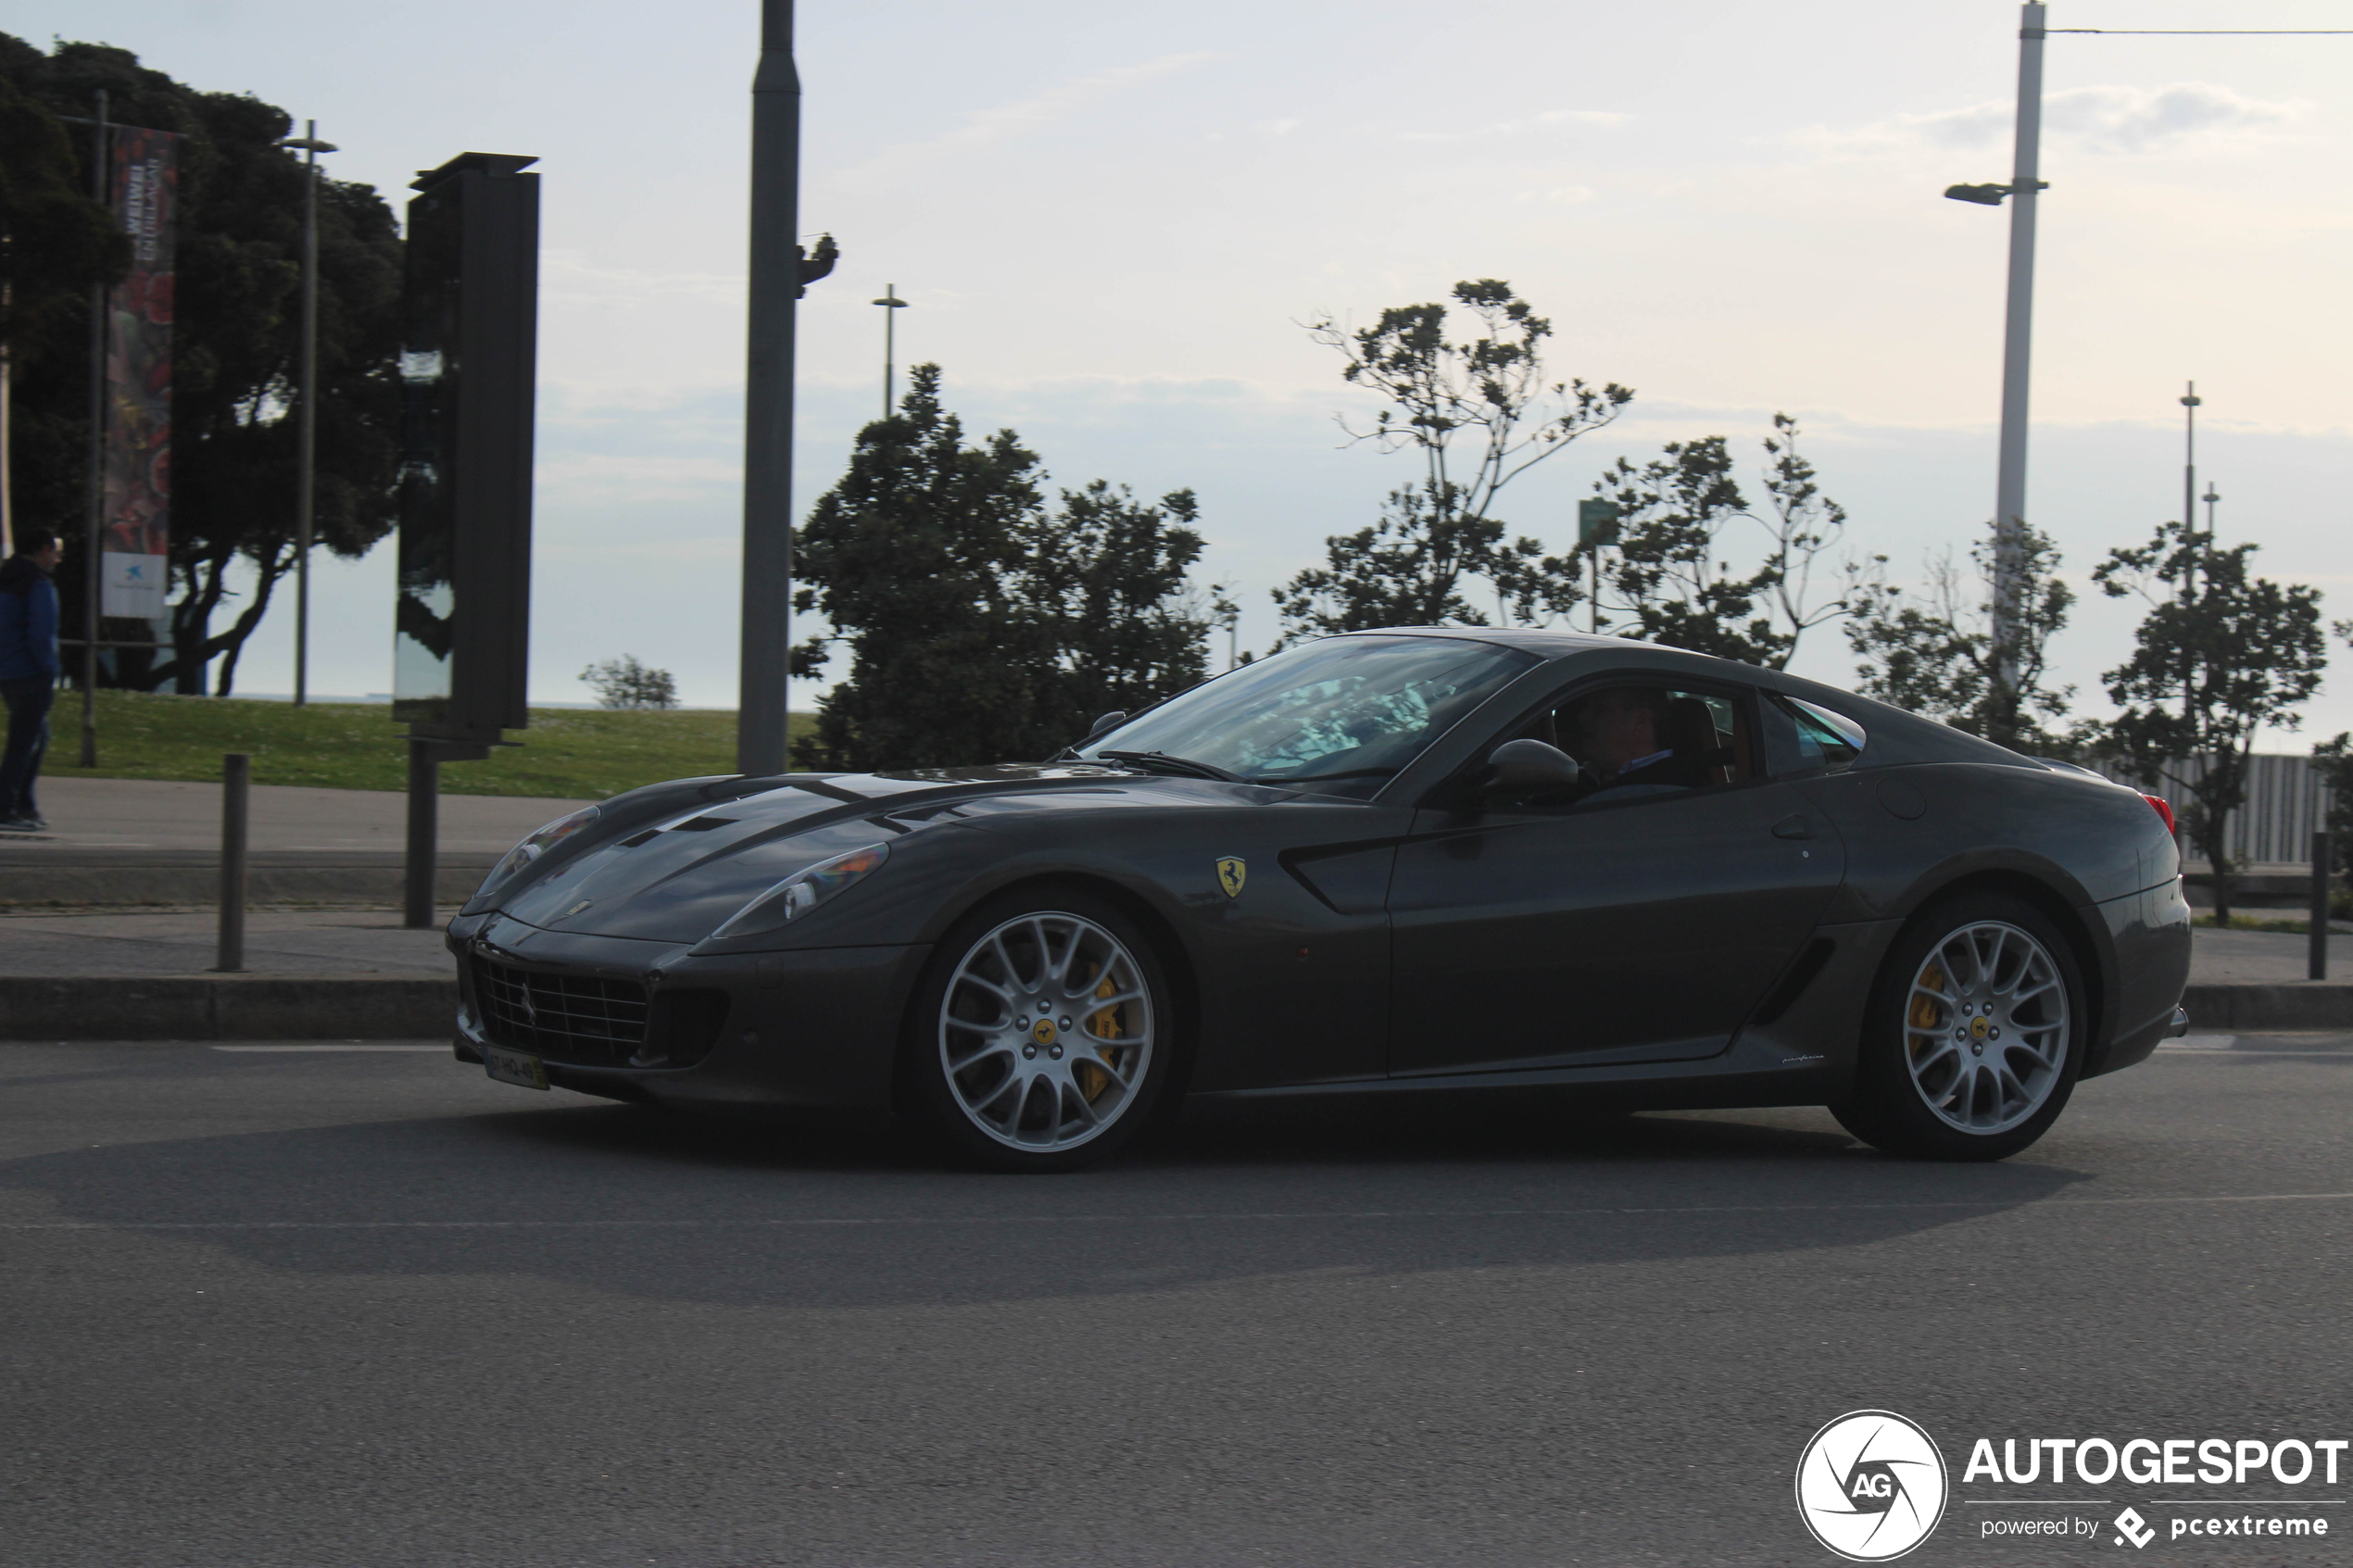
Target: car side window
1640, 739
1802, 737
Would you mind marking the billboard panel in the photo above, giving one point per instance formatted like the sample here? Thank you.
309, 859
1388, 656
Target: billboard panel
136, 543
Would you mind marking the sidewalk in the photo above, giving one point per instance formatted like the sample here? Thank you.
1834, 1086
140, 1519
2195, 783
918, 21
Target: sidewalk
143, 841
118, 945
2237, 958
358, 973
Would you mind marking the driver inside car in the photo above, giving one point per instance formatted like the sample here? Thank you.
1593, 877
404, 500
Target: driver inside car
1627, 736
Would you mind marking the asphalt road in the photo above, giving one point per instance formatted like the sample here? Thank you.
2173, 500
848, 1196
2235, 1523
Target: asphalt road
274, 1307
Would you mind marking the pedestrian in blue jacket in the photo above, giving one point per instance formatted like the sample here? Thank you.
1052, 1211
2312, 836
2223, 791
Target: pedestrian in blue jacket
28, 672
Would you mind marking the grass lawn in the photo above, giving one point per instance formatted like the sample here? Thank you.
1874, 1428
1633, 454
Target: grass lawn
579, 753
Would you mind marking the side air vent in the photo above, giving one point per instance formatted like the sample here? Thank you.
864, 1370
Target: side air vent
681, 1026
1793, 980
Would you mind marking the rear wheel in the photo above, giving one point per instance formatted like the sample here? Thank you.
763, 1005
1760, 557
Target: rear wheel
1040, 1036
1974, 1034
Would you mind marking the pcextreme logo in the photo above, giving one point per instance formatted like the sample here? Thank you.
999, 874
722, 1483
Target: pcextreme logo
1872, 1485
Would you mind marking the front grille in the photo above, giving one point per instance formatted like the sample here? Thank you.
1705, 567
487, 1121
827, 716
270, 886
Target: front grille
577, 1017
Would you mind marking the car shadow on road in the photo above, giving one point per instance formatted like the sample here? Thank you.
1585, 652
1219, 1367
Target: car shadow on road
831, 1212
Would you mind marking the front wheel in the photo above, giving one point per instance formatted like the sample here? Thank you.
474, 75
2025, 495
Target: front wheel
1974, 1034
1042, 1035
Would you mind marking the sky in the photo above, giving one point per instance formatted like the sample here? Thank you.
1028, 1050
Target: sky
1113, 222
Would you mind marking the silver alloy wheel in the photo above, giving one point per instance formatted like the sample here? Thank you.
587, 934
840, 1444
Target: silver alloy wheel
1986, 1027
1046, 1032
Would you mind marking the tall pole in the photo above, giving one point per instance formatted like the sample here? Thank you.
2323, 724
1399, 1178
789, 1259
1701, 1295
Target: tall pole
2009, 505
92, 554
776, 288
307, 429
2191, 402
2213, 498
892, 304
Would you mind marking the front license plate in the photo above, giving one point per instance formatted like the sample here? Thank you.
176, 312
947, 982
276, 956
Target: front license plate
514, 1067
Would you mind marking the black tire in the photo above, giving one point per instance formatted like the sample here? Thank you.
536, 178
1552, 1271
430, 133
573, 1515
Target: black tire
1021, 1098
1935, 1074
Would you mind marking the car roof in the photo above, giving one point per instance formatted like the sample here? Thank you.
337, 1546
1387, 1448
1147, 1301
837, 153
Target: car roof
1545, 641
1898, 736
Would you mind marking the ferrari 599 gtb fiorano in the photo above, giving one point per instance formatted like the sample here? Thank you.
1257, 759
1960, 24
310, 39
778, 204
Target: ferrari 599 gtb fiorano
1429, 859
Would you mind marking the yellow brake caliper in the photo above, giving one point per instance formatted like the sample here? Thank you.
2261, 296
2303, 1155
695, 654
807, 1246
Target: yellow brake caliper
1102, 1025
1925, 1011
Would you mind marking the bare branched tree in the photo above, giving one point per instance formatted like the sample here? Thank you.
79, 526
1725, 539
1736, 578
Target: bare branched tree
1480, 411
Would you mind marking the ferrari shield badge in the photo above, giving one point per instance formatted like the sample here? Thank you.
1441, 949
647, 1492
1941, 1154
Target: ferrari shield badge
1230, 872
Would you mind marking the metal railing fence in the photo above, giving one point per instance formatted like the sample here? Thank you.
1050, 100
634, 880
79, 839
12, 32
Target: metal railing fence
2285, 803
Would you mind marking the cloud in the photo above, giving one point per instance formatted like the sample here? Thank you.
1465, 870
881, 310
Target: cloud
2117, 120
1058, 103
605, 479
1024, 115
1548, 121
567, 277
1567, 195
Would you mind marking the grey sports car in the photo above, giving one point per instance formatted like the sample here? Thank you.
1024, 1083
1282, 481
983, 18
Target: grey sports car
1418, 861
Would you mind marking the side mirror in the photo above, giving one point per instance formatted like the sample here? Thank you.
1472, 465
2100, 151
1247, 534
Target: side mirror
1524, 767
1105, 722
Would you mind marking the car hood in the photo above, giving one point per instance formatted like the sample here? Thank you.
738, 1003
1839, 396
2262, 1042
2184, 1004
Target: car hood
677, 878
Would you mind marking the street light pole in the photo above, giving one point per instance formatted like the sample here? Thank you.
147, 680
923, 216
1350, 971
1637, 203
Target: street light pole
766, 633
892, 304
307, 419
2191, 402
2009, 507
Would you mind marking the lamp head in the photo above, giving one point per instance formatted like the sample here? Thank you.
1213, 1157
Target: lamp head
1984, 196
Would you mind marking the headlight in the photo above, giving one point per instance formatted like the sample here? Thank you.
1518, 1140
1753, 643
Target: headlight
803, 891
538, 843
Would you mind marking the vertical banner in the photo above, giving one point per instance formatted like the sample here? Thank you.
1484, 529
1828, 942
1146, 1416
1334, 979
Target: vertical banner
137, 537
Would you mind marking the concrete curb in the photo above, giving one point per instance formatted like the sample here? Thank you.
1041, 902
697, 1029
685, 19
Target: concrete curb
88, 886
2251, 1007
377, 1007
227, 1007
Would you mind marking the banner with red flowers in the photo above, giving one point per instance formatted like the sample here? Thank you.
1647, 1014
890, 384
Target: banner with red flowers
134, 571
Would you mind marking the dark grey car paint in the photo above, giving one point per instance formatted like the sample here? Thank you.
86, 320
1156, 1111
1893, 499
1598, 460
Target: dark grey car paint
1407, 941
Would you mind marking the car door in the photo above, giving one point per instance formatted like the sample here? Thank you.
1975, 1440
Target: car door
1628, 925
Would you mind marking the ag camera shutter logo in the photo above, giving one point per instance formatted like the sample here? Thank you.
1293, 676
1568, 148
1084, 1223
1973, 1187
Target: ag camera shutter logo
1872, 1485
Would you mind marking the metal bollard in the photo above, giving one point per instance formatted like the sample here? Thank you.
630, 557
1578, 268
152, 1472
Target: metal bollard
2318, 965
424, 792
236, 777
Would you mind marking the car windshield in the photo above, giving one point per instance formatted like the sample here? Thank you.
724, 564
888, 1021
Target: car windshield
1342, 716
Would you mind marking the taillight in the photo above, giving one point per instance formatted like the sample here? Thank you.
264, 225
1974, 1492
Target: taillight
2157, 805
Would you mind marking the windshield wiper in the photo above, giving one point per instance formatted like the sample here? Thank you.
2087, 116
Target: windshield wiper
1183, 767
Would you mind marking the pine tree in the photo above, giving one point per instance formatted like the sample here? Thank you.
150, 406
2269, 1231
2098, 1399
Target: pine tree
981, 626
